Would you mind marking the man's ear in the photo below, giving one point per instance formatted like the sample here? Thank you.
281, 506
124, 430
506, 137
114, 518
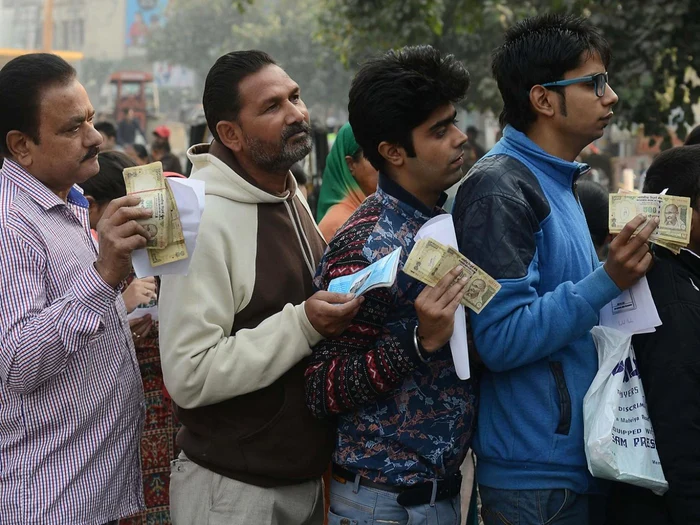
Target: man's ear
541, 100
394, 154
92, 203
18, 144
230, 135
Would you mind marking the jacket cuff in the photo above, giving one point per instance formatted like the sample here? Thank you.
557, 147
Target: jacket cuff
598, 289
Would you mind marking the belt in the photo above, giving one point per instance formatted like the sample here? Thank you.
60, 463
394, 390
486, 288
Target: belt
418, 494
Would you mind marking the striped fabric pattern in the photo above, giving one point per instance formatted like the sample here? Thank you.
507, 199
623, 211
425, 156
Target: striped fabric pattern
71, 397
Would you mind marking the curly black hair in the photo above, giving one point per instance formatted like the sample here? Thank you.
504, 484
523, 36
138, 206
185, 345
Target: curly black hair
393, 94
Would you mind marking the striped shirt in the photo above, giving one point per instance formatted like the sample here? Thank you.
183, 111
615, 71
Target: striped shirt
71, 397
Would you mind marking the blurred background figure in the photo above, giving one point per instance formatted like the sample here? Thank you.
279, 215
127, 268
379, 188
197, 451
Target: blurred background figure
109, 136
128, 128
137, 153
302, 179
594, 201
477, 150
348, 179
160, 150
160, 428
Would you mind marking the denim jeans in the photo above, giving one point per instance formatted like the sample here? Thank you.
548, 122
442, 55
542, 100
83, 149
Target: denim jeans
358, 505
533, 507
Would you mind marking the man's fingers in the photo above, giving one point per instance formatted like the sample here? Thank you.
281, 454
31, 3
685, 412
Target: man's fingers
345, 309
644, 264
454, 292
643, 235
131, 228
116, 204
333, 297
444, 284
127, 214
134, 242
626, 234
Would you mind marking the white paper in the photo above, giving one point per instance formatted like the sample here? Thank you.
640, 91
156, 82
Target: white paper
189, 196
143, 311
442, 229
381, 273
633, 311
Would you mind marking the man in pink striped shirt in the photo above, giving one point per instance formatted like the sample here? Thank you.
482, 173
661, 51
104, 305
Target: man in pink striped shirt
71, 400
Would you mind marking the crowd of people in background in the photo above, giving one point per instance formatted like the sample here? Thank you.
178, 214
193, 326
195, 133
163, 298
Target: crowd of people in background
244, 392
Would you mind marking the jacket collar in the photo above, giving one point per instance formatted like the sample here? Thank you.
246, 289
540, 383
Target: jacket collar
561, 170
407, 199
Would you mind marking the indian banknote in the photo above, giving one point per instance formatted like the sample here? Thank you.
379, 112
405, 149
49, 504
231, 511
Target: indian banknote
176, 251
674, 214
148, 183
430, 260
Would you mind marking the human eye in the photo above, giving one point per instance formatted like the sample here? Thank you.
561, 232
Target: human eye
295, 98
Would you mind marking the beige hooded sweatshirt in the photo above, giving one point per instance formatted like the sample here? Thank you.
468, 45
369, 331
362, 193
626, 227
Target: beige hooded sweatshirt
234, 333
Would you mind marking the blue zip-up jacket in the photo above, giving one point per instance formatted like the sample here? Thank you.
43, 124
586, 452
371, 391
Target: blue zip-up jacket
518, 218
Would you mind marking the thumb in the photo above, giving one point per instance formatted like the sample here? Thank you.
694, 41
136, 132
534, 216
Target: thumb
333, 297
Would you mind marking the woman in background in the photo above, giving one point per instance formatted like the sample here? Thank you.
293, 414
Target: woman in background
160, 427
348, 179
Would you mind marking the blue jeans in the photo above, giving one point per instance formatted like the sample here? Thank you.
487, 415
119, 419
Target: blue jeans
533, 507
351, 505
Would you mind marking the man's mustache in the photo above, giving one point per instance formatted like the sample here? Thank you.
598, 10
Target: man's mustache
289, 131
92, 152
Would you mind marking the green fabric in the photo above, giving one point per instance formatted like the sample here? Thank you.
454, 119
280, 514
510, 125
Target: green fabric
337, 181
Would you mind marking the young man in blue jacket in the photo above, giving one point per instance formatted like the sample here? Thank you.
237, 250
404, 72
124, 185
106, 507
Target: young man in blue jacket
518, 218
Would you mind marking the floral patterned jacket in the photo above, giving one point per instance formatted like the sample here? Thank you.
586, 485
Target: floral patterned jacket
400, 421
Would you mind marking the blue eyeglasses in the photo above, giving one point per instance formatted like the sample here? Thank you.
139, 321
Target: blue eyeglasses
599, 80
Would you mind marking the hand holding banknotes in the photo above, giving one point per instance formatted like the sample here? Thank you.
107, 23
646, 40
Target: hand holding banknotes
119, 234
330, 313
436, 308
629, 258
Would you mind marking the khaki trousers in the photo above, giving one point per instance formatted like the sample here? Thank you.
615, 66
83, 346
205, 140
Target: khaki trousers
201, 497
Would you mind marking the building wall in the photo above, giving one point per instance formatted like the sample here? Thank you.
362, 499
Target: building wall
105, 34
94, 27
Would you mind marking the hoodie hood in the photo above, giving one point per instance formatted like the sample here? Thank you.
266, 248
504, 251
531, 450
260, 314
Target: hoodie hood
561, 170
223, 181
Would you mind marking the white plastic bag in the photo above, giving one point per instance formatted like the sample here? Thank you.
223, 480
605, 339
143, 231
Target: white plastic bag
620, 443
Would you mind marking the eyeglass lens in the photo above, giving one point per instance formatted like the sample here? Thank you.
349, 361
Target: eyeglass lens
601, 81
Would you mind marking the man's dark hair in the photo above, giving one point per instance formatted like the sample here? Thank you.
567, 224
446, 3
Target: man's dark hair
677, 169
473, 130
161, 145
108, 184
395, 93
141, 151
693, 137
538, 50
23, 81
594, 201
221, 98
107, 128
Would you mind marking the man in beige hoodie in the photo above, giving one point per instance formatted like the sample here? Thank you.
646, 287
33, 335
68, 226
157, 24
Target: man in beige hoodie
236, 330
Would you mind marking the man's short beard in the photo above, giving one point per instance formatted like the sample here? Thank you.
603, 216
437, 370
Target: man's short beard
283, 160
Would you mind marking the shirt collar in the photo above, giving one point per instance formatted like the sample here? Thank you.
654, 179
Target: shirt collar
38, 191
397, 191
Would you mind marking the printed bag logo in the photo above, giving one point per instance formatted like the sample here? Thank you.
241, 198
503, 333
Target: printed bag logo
629, 367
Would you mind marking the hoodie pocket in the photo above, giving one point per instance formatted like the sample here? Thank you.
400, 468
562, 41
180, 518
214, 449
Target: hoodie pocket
564, 398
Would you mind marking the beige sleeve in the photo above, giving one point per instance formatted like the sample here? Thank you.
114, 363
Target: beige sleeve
202, 363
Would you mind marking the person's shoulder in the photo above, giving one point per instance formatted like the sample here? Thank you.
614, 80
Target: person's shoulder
503, 177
